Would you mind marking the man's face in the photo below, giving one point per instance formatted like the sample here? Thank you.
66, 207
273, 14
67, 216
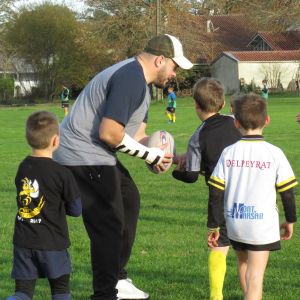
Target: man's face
165, 73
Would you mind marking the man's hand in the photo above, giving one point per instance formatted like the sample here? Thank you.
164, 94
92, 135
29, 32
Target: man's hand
167, 159
212, 237
288, 230
298, 118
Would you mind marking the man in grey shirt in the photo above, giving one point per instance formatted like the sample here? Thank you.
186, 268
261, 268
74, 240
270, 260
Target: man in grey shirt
110, 115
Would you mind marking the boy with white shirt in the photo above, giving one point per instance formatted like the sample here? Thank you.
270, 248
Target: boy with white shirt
248, 174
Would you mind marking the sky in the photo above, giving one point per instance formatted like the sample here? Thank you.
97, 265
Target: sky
77, 5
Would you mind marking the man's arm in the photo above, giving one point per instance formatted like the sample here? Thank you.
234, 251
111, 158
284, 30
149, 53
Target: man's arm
141, 135
112, 133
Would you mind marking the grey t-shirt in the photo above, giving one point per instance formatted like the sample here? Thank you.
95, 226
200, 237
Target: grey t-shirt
120, 93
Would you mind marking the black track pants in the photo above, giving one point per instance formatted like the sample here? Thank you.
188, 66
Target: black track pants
110, 209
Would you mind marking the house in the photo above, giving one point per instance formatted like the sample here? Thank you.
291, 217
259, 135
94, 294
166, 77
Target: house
240, 53
24, 76
235, 68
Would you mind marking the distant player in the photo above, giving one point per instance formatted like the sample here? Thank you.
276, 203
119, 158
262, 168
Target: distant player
46, 192
65, 98
265, 89
204, 149
171, 105
249, 173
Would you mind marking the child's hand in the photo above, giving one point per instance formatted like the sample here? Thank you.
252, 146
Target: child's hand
288, 230
181, 166
178, 157
212, 238
298, 118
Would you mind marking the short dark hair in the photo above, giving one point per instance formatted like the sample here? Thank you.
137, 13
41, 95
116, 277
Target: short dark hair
41, 126
209, 94
64, 84
234, 97
265, 81
171, 88
251, 111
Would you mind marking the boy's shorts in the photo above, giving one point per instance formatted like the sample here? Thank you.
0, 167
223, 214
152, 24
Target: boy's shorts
30, 264
65, 104
171, 109
238, 246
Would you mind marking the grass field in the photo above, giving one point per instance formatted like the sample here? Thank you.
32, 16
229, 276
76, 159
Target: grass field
169, 259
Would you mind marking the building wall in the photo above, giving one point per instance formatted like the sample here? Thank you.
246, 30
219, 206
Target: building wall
254, 71
226, 71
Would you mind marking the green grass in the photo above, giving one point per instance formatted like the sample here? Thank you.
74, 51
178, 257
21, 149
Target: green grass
169, 258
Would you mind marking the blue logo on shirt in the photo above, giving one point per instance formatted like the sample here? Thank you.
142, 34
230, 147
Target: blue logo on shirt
241, 211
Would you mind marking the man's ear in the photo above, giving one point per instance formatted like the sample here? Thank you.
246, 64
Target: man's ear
267, 121
237, 124
159, 60
223, 104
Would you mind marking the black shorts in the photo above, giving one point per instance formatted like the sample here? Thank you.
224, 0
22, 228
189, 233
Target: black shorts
238, 246
30, 264
65, 104
171, 109
223, 240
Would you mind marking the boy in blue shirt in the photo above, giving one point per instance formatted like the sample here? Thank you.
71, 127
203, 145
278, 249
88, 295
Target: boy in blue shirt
171, 105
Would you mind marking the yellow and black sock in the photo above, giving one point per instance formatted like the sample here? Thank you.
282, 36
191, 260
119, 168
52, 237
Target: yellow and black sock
217, 270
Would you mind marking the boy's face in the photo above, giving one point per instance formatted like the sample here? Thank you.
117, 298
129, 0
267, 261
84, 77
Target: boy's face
264, 83
170, 91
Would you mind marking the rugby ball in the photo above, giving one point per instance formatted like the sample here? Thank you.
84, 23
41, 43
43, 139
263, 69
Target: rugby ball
157, 139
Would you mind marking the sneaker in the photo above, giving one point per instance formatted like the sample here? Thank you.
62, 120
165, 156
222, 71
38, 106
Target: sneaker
126, 290
170, 122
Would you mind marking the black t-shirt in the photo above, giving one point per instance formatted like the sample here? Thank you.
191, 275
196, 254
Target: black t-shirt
43, 188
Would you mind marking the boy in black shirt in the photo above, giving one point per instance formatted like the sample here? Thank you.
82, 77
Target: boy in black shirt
204, 149
46, 192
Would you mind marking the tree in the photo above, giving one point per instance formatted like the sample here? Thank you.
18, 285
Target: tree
124, 27
278, 15
46, 38
273, 15
274, 73
6, 9
7, 55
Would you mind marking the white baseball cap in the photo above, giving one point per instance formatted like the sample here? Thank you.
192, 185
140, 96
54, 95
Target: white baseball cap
170, 47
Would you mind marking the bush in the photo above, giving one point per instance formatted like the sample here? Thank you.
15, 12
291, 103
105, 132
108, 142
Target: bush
185, 79
7, 86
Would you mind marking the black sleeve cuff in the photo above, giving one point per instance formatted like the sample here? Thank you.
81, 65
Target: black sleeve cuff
187, 177
289, 206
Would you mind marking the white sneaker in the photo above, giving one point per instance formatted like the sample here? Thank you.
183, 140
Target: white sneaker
126, 290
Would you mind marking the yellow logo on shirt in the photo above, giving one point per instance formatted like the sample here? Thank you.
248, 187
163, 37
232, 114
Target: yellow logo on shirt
29, 190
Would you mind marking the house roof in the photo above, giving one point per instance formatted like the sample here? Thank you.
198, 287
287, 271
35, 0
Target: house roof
230, 32
287, 40
262, 56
